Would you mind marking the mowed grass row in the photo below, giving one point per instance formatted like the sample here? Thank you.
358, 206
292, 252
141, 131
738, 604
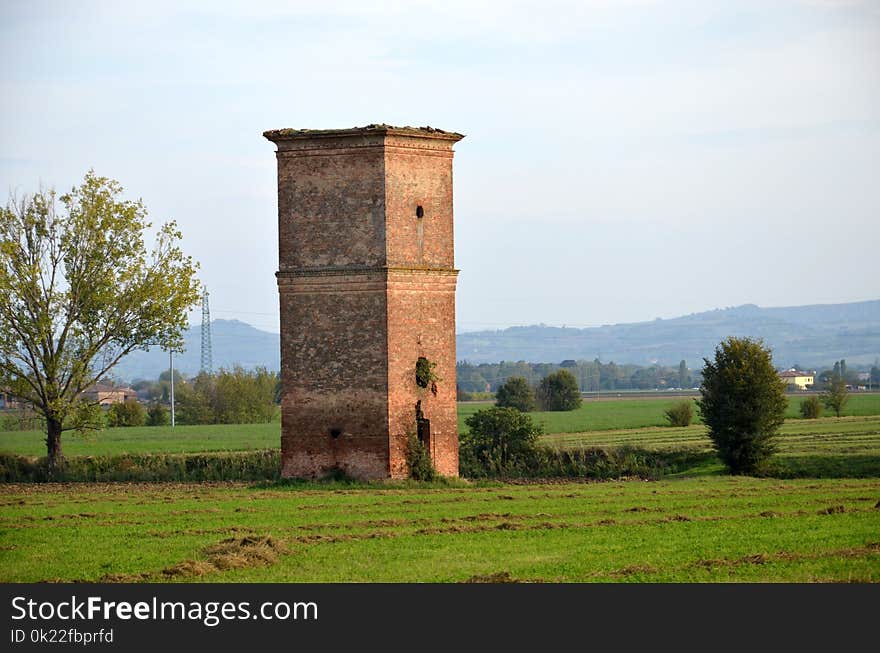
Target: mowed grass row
826, 447
827, 434
714, 529
592, 416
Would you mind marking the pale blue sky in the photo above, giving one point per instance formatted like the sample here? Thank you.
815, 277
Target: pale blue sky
624, 160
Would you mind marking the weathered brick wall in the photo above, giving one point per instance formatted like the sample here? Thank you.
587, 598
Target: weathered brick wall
367, 286
421, 322
413, 178
333, 374
331, 202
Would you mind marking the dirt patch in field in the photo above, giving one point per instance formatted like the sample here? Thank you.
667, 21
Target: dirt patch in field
832, 510
678, 518
497, 577
483, 516
219, 530
632, 570
501, 577
789, 556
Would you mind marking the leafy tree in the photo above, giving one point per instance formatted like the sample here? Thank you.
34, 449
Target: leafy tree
743, 403
835, 395
811, 408
158, 415
558, 391
516, 393
127, 413
234, 396
499, 441
681, 414
78, 291
244, 397
193, 401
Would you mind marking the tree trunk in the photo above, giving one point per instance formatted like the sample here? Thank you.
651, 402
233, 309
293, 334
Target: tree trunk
53, 448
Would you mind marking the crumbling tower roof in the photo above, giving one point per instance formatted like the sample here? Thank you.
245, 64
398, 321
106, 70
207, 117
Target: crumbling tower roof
276, 135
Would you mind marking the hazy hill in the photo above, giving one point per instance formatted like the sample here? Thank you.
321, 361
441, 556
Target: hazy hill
810, 336
232, 342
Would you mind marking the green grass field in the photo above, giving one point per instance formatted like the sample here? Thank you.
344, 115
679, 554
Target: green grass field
713, 529
592, 416
150, 439
626, 413
699, 526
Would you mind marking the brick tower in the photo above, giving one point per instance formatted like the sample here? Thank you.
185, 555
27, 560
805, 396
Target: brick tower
367, 289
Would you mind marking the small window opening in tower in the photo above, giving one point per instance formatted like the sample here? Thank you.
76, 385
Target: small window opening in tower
335, 432
420, 212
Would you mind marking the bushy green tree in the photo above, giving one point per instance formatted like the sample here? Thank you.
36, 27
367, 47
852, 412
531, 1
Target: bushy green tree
193, 401
243, 396
127, 413
743, 403
836, 396
233, 396
158, 415
498, 441
558, 391
79, 290
516, 393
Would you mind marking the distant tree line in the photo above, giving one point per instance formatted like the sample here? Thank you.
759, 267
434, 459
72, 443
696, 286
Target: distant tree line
590, 376
229, 396
840, 373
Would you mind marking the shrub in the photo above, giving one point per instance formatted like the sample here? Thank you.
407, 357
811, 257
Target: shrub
681, 414
743, 403
516, 393
158, 415
499, 442
425, 374
418, 459
811, 408
558, 391
127, 413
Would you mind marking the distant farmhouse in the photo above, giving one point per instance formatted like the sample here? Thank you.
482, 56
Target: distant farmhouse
106, 395
797, 378
7, 400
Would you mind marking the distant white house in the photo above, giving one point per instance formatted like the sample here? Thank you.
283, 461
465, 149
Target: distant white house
797, 378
